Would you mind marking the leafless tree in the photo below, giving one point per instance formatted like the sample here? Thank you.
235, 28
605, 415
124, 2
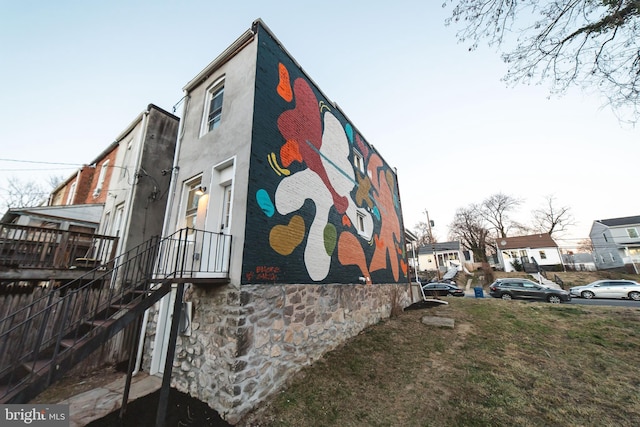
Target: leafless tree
588, 43
496, 209
21, 194
585, 246
425, 236
470, 230
551, 218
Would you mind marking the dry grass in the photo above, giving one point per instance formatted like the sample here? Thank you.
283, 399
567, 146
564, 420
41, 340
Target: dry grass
506, 363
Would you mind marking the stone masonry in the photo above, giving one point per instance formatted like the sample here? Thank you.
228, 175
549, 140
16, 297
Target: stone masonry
245, 343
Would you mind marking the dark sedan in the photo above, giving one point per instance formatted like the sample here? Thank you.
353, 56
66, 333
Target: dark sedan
438, 289
525, 289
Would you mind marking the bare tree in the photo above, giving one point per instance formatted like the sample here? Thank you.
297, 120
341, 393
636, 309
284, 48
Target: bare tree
585, 246
588, 43
470, 230
495, 210
21, 194
425, 236
552, 218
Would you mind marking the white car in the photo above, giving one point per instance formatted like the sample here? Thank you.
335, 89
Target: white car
608, 289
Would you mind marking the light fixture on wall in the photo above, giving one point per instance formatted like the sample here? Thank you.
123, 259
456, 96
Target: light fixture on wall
200, 190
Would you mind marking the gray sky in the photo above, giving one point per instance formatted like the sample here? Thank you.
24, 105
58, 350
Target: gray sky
75, 73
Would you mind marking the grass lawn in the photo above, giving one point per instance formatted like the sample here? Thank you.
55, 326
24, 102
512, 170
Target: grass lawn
505, 363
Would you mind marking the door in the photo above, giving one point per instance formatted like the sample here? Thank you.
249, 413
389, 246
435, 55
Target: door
224, 241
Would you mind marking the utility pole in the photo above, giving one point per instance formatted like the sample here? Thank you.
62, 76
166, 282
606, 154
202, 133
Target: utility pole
433, 246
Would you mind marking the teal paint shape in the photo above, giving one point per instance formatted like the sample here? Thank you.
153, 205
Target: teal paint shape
265, 203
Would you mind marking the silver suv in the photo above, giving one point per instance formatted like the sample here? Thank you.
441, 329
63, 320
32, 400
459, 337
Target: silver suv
608, 289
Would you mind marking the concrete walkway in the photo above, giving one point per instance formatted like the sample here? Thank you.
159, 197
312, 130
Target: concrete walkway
99, 402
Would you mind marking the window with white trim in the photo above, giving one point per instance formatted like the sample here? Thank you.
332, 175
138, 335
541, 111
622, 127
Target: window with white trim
72, 193
632, 233
358, 161
543, 255
191, 203
101, 178
213, 107
360, 222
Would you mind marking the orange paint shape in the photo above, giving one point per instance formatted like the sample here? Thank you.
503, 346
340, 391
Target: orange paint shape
284, 86
346, 221
290, 152
351, 253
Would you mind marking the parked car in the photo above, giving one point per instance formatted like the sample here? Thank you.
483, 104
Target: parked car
526, 289
441, 289
608, 289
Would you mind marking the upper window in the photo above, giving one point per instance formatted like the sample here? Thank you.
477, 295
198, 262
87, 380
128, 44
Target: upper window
360, 220
358, 161
101, 178
543, 255
632, 232
213, 107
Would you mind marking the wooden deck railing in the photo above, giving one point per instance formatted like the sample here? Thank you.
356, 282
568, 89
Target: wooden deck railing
37, 247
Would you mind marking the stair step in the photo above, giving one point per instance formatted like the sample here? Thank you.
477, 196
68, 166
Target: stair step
37, 365
99, 323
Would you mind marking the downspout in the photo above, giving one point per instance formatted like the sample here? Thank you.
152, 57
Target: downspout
165, 226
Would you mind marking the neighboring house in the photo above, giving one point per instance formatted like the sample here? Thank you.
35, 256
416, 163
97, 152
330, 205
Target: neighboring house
616, 243
533, 251
130, 178
279, 188
84, 218
443, 256
579, 261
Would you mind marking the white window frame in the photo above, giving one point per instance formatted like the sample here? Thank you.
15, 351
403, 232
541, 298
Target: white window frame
632, 232
101, 178
358, 160
72, 193
191, 201
215, 90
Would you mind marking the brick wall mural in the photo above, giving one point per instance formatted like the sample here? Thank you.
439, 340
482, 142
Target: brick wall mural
323, 206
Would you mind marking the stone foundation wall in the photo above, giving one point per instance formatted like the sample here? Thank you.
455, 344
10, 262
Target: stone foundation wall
245, 343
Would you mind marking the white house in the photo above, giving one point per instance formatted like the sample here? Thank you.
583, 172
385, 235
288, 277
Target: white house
616, 243
534, 249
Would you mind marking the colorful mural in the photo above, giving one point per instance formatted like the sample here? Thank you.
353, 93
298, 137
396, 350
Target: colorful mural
326, 205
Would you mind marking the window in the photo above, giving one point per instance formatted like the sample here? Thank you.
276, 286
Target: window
358, 161
123, 171
360, 224
192, 198
543, 255
213, 107
632, 233
604, 236
72, 193
103, 174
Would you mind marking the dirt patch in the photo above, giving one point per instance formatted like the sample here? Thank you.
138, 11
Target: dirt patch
182, 410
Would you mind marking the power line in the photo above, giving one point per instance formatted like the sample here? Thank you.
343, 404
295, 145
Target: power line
43, 163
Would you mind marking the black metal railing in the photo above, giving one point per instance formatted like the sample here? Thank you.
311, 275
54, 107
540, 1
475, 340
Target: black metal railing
47, 332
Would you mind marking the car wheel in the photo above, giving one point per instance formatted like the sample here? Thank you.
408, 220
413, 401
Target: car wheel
506, 296
554, 299
588, 294
634, 295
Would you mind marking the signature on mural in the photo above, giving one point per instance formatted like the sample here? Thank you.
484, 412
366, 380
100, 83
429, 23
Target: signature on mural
341, 173
264, 273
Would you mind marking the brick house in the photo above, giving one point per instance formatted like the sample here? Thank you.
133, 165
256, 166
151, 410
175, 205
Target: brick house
311, 222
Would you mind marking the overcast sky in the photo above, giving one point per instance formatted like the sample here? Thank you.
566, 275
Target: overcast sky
75, 73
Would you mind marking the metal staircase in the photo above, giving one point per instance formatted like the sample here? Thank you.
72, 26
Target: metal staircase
40, 342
